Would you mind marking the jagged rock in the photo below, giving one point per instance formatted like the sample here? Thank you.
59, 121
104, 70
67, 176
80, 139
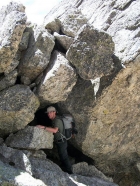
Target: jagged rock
72, 21
89, 170
31, 138
69, 22
58, 81
16, 158
45, 170
110, 126
53, 176
109, 15
15, 177
36, 58
11, 67
12, 25
91, 53
53, 25
114, 124
17, 107
8, 80
24, 41
64, 40
35, 153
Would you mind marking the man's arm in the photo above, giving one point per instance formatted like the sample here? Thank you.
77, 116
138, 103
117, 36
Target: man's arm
49, 129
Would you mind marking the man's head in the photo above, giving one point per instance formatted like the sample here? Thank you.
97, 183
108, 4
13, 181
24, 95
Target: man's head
51, 111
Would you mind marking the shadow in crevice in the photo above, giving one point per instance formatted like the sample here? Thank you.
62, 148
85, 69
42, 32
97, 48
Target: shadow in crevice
75, 156
105, 81
59, 47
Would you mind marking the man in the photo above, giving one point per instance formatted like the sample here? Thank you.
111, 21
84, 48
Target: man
57, 129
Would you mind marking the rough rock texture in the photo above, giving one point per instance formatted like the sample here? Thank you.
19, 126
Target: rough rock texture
89, 170
72, 21
17, 107
9, 176
120, 19
64, 40
36, 58
109, 127
91, 53
58, 81
68, 22
106, 109
44, 169
114, 127
24, 41
12, 25
52, 25
11, 67
31, 138
8, 80
110, 16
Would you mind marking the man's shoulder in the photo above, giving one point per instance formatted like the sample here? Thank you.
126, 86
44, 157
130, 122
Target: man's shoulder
57, 119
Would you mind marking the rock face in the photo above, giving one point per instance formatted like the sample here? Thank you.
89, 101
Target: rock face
58, 81
43, 169
17, 107
89, 170
36, 58
75, 61
14, 177
114, 123
107, 124
117, 18
31, 138
12, 25
91, 53
8, 80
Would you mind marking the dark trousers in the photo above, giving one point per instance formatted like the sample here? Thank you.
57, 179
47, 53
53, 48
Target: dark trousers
63, 155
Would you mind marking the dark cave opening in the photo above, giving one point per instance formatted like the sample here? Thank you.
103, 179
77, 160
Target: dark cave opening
75, 155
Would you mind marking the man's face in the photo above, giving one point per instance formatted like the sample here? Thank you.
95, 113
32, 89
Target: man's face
51, 115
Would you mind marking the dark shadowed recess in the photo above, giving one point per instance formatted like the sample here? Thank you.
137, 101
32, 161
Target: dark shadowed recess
74, 154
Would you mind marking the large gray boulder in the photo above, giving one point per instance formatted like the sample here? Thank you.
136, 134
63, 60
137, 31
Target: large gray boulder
120, 19
84, 169
58, 80
36, 57
91, 53
12, 25
114, 123
16, 177
8, 80
31, 138
43, 169
69, 22
17, 107
72, 21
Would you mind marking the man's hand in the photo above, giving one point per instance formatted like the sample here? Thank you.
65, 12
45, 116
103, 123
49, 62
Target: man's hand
40, 126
